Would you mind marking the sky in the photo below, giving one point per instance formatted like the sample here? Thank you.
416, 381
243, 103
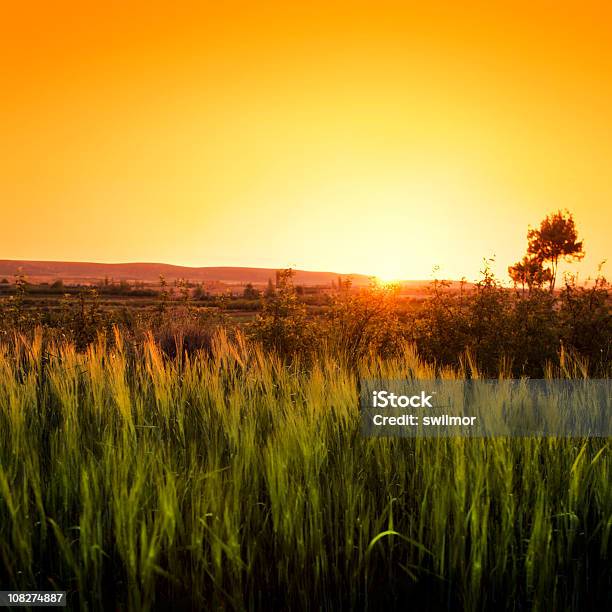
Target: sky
384, 138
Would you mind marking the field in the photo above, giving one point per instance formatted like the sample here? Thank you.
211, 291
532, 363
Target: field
305, 306
228, 479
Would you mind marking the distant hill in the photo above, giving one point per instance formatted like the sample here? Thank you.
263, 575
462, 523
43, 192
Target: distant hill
89, 272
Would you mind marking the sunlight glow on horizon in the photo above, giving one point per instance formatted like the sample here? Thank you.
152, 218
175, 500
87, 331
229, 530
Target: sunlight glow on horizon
383, 140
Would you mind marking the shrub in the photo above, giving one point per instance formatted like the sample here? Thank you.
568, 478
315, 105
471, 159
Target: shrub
586, 322
184, 336
283, 325
363, 322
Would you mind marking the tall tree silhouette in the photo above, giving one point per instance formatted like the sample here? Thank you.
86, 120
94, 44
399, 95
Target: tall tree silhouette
556, 239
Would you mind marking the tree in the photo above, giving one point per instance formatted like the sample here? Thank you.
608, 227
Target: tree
250, 293
529, 271
344, 284
164, 297
270, 291
556, 239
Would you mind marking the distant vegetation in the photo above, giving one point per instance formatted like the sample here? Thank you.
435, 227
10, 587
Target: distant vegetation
519, 330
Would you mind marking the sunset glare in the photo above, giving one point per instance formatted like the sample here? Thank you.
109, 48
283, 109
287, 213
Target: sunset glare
381, 138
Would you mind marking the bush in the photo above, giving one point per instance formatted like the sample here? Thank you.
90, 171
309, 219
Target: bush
283, 325
586, 323
363, 323
186, 336
522, 331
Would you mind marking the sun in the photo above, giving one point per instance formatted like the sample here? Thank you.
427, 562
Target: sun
390, 272
386, 279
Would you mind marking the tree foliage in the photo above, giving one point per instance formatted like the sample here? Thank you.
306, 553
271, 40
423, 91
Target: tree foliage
556, 239
529, 272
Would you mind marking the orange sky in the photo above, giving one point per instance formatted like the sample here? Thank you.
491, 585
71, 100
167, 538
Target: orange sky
376, 137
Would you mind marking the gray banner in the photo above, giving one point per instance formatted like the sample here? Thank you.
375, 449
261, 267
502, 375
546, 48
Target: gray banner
484, 408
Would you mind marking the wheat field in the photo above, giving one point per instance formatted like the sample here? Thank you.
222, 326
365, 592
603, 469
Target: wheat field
229, 480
